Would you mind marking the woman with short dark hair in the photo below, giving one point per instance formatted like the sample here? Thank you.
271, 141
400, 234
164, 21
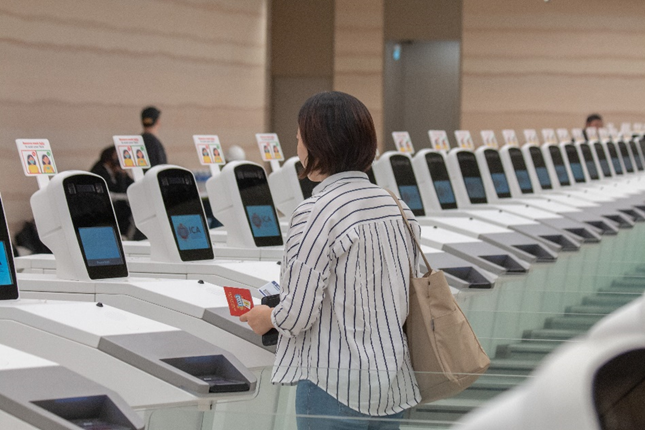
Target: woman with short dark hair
344, 282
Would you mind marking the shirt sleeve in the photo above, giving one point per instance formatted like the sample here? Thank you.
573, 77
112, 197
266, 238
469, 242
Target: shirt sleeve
305, 272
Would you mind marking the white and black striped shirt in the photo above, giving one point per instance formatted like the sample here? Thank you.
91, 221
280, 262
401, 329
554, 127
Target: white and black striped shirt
345, 276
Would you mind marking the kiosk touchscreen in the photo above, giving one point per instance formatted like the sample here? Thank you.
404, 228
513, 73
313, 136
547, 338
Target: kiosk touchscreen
475, 241
589, 161
49, 396
167, 208
259, 226
91, 222
636, 155
8, 282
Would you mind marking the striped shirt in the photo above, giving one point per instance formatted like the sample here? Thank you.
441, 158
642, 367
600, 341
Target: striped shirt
344, 297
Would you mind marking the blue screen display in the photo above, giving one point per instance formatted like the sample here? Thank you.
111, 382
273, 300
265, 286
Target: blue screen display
563, 177
100, 246
578, 174
5, 270
444, 192
617, 167
524, 180
591, 169
628, 163
475, 188
189, 231
411, 197
263, 222
543, 177
500, 183
604, 165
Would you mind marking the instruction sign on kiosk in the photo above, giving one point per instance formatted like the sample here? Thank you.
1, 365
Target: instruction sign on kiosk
36, 157
489, 139
209, 150
464, 139
131, 151
510, 137
269, 146
403, 142
439, 140
531, 136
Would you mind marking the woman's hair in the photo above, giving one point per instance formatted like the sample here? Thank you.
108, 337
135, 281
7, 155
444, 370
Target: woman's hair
338, 132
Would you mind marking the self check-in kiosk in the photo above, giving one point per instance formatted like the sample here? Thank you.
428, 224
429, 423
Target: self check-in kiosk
45, 395
459, 273
168, 209
464, 236
545, 175
473, 201
168, 365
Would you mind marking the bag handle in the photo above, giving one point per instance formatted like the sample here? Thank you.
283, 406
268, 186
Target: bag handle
414, 237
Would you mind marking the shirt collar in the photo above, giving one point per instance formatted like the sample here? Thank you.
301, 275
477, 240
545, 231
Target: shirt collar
353, 175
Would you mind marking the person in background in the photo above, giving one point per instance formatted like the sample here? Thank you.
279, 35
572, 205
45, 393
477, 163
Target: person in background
118, 181
150, 122
344, 281
593, 120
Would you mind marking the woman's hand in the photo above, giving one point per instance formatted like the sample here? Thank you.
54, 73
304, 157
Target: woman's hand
259, 319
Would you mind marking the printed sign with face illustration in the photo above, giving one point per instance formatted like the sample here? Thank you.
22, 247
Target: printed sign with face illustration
548, 134
578, 135
510, 137
403, 142
269, 146
36, 157
209, 150
131, 151
439, 140
464, 139
604, 135
530, 135
592, 134
563, 135
489, 139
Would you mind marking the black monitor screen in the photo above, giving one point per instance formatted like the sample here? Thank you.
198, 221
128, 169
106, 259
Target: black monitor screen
574, 163
441, 180
558, 163
497, 174
370, 176
637, 157
185, 214
613, 155
641, 143
472, 177
8, 284
589, 162
602, 159
258, 205
540, 168
521, 172
407, 183
95, 225
627, 161
306, 185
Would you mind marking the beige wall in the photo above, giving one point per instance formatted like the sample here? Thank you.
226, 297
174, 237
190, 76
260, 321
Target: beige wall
358, 54
536, 64
77, 72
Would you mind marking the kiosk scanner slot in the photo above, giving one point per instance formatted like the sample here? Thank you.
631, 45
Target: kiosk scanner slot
49, 396
465, 239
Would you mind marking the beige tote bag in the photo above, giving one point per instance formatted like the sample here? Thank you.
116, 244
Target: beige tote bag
446, 355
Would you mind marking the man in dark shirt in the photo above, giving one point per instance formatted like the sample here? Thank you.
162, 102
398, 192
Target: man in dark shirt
150, 122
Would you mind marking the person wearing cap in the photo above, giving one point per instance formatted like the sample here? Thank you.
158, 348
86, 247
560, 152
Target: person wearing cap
150, 122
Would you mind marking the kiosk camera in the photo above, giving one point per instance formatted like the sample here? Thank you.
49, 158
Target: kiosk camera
167, 208
49, 396
288, 189
74, 216
242, 187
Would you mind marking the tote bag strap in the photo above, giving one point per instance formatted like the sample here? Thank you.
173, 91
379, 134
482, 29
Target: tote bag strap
414, 237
